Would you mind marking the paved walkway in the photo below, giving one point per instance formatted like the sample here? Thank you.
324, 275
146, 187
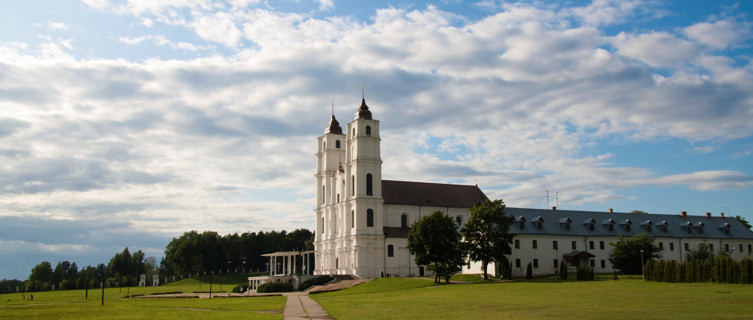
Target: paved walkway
301, 306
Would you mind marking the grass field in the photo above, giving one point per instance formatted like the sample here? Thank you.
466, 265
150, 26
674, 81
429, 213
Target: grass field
396, 298
70, 304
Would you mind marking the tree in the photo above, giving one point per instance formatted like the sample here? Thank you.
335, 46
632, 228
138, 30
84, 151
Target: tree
744, 222
626, 255
639, 212
703, 253
486, 236
42, 273
435, 242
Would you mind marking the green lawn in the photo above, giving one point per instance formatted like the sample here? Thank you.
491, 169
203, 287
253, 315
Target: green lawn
396, 298
70, 304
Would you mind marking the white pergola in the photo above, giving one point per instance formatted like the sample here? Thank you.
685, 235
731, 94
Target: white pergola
288, 260
289, 272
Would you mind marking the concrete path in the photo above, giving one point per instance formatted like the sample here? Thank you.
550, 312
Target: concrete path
300, 306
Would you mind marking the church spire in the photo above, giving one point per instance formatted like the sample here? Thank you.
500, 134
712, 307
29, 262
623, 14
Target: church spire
333, 126
363, 110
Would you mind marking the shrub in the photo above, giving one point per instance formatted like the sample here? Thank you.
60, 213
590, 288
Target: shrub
240, 288
315, 281
275, 287
585, 273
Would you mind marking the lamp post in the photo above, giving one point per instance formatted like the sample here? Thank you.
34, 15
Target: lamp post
643, 273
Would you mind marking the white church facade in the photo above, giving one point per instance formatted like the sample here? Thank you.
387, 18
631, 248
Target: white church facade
362, 221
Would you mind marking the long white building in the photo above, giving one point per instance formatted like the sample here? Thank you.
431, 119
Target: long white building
362, 221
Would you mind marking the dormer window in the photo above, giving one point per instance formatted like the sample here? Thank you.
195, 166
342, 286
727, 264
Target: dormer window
663, 225
589, 223
521, 221
538, 222
565, 223
699, 226
688, 226
725, 228
627, 224
609, 224
647, 225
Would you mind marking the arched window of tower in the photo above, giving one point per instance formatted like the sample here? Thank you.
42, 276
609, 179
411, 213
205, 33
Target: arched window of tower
369, 182
404, 221
324, 145
353, 185
354, 133
368, 130
352, 218
337, 144
324, 193
369, 218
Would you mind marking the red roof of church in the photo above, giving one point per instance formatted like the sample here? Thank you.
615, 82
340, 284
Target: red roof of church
431, 194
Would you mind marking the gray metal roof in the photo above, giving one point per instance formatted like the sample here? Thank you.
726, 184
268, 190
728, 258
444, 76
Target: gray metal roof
542, 221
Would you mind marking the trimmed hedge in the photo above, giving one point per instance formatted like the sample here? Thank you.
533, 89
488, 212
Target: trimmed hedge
316, 281
275, 287
721, 269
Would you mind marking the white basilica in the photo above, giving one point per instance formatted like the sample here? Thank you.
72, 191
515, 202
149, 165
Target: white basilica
362, 221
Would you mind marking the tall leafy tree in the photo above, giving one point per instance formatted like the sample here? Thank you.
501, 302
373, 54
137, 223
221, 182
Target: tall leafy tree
435, 241
626, 253
41, 276
486, 235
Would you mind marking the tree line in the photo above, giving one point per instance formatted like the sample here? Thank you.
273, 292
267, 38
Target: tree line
191, 254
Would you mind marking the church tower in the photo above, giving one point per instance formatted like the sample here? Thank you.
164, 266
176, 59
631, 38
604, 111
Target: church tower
349, 212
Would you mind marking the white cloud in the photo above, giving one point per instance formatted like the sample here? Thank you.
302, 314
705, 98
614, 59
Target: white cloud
57, 25
605, 12
326, 5
97, 4
147, 22
719, 34
219, 28
160, 41
657, 49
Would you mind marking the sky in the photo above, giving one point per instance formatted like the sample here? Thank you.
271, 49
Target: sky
126, 123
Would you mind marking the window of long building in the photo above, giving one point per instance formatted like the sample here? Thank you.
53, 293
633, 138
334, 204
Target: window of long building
671, 246
404, 221
601, 245
517, 263
603, 264
590, 245
390, 250
554, 245
535, 244
687, 247
574, 245
517, 244
661, 245
536, 263
556, 263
